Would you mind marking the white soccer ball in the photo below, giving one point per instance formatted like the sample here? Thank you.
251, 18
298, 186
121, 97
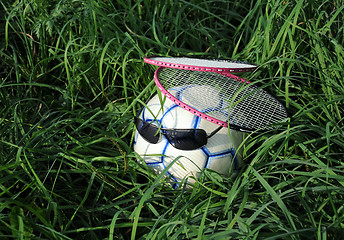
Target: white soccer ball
220, 153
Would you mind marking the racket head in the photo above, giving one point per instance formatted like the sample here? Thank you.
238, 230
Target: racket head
223, 99
199, 64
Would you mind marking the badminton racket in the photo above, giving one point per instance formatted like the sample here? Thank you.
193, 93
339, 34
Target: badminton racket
203, 65
223, 99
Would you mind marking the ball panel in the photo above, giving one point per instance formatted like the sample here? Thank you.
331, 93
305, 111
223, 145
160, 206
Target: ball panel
202, 97
221, 163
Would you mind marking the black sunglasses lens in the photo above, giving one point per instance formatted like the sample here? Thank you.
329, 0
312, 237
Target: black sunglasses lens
186, 139
148, 131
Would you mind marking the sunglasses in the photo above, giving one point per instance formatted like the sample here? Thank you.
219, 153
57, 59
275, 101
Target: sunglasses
183, 139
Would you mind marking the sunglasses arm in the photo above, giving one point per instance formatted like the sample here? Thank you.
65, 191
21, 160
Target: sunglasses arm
214, 132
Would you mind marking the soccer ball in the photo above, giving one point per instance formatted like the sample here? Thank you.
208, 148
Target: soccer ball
219, 154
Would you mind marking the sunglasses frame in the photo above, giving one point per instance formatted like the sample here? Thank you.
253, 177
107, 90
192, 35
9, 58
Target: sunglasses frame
160, 131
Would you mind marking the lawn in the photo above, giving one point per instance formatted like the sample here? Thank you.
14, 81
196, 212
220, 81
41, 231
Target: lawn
72, 77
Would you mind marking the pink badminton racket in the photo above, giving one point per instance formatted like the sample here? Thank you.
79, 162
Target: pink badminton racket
223, 99
203, 65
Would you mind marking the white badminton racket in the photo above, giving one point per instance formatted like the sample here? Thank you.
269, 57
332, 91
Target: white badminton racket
199, 64
224, 98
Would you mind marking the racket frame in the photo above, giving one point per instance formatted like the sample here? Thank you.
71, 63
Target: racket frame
150, 60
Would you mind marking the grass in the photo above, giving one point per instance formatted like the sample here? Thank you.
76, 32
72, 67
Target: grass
72, 77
